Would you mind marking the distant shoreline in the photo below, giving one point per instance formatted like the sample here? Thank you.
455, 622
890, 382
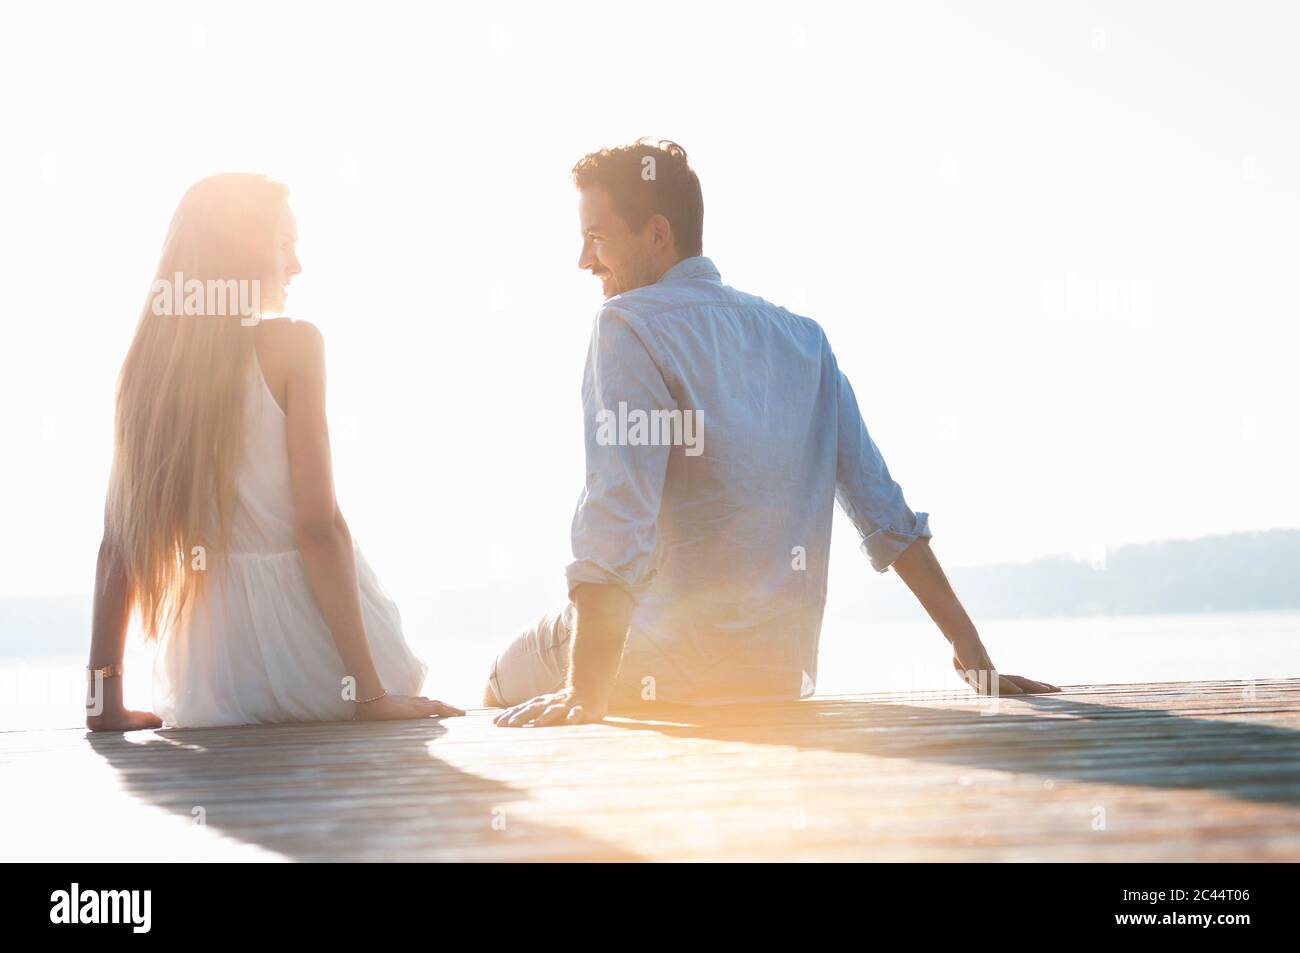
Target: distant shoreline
1235, 572
1257, 572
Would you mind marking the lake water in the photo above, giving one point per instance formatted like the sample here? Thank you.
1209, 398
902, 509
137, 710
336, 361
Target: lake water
879, 656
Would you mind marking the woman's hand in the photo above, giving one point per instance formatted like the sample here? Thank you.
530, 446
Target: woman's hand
122, 719
105, 696
400, 707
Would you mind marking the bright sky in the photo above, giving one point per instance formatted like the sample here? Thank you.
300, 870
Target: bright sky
1055, 250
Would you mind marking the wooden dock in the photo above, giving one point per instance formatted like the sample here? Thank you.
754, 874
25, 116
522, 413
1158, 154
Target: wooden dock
1190, 771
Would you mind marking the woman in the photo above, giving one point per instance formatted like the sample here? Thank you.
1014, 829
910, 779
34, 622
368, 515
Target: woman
221, 528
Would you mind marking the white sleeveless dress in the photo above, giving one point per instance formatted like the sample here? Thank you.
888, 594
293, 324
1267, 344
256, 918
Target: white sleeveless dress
254, 648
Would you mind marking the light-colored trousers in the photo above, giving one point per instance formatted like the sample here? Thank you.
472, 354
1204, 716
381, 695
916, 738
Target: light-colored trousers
537, 663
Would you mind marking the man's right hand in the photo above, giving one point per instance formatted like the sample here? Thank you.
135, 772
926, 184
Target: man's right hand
972, 662
564, 707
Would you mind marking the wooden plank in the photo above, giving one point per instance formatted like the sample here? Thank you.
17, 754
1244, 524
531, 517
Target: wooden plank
1206, 771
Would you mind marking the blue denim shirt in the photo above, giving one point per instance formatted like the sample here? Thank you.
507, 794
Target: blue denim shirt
719, 433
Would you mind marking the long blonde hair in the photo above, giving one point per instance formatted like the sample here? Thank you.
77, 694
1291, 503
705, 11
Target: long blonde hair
180, 399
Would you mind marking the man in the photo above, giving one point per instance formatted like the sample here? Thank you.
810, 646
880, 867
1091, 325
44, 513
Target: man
719, 433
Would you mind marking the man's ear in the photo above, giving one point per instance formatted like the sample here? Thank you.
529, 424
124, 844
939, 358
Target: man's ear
662, 232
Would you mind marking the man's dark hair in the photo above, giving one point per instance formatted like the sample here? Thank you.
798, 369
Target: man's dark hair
639, 188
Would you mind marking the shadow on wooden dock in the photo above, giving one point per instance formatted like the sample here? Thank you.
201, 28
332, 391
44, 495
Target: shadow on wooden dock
338, 791
1171, 771
1063, 739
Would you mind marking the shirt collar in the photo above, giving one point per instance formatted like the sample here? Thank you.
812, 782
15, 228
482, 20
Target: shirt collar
695, 267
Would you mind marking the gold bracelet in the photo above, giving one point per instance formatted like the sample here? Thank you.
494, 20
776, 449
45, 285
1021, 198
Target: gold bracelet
367, 701
108, 671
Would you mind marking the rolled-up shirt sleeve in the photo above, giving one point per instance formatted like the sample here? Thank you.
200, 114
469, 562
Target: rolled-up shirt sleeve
614, 526
866, 491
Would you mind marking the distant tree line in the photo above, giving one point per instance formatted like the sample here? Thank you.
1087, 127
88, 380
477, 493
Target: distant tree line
1232, 573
